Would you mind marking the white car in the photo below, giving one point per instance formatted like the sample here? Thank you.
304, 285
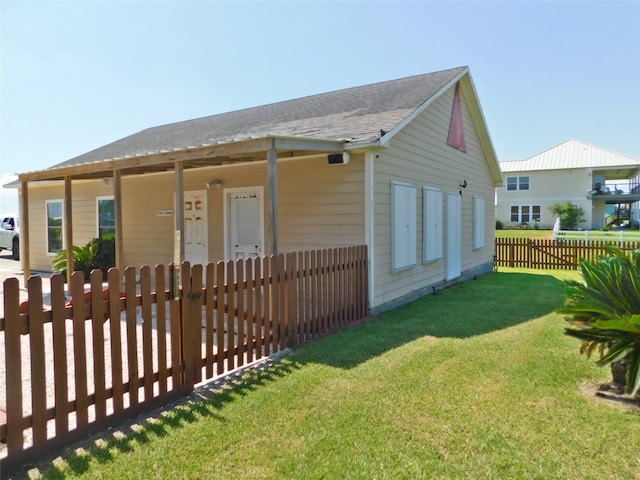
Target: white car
10, 234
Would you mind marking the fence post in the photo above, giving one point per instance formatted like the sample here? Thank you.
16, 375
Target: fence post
239, 307
76, 287
97, 328
231, 301
220, 288
131, 316
13, 362
147, 331
36, 341
512, 253
60, 369
185, 324
281, 303
194, 322
291, 319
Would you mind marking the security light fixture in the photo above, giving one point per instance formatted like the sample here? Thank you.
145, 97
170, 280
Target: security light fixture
216, 183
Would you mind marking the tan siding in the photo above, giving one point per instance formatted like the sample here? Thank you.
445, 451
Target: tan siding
147, 238
420, 155
320, 205
84, 213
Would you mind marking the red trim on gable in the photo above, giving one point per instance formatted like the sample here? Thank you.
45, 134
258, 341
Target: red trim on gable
456, 127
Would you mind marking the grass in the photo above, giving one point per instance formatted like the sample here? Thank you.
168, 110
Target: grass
477, 381
528, 233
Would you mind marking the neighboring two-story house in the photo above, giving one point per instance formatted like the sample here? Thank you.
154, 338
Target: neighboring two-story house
603, 183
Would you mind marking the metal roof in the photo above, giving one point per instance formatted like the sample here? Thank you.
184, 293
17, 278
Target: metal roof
569, 155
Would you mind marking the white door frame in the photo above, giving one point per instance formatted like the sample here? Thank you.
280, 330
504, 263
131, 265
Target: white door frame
203, 195
453, 260
227, 196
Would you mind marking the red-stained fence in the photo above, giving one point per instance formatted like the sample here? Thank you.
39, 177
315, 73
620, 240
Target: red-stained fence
551, 254
93, 356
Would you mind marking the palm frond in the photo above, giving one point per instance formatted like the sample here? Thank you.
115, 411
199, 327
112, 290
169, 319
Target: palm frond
633, 371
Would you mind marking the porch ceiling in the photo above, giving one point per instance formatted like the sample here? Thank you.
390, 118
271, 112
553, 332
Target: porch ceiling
624, 172
191, 157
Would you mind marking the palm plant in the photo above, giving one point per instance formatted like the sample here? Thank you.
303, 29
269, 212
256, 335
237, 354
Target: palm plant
604, 311
97, 254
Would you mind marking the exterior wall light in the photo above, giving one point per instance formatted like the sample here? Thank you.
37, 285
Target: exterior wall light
217, 184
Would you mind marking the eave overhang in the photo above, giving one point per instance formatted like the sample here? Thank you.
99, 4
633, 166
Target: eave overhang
233, 152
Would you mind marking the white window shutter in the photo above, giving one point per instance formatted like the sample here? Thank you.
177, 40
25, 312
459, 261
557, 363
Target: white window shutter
403, 225
478, 222
432, 224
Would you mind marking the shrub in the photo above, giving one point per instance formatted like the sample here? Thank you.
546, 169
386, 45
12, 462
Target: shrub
97, 254
604, 312
570, 215
499, 224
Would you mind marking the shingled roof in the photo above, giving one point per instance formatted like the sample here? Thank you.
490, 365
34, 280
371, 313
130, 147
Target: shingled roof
353, 115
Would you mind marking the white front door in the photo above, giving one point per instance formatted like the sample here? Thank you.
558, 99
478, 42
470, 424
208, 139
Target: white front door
195, 227
245, 221
454, 235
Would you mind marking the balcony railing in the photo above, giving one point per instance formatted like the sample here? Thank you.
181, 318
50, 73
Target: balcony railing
616, 192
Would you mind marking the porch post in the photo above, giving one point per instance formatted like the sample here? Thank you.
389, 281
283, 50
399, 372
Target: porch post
179, 218
24, 231
68, 227
178, 234
117, 204
272, 174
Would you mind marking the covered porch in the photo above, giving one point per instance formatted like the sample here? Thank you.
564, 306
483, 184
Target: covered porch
267, 150
613, 195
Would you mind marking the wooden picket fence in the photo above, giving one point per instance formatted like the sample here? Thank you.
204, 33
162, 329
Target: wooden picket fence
551, 254
107, 353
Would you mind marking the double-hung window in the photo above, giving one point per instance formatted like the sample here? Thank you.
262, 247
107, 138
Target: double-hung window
524, 213
518, 183
55, 209
106, 217
535, 213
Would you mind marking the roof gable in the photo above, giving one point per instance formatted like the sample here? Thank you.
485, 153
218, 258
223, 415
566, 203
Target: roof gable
463, 78
571, 154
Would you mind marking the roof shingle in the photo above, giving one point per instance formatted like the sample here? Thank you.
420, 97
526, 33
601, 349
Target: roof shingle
355, 114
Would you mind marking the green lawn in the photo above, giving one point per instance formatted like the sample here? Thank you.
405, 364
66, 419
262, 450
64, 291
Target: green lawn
476, 382
528, 233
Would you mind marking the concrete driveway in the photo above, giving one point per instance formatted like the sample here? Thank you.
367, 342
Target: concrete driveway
10, 268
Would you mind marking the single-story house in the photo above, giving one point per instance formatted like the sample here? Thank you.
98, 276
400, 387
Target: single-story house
406, 167
601, 182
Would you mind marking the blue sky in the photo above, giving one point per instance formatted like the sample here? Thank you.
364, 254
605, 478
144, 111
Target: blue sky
79, 74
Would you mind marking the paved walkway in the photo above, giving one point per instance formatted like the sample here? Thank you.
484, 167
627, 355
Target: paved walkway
10, 268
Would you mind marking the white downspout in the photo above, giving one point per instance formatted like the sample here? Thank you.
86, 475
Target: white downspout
369, 216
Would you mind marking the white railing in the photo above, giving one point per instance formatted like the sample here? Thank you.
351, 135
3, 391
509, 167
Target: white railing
598, 235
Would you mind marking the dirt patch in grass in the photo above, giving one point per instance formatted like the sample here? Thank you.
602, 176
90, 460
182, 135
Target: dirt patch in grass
610, 394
